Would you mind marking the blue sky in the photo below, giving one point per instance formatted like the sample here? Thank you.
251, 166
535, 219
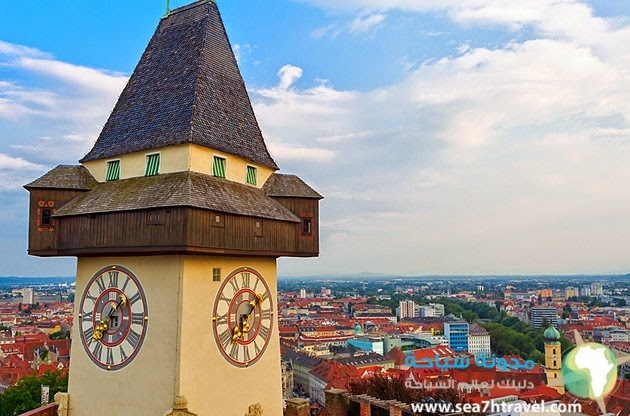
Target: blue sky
448, 136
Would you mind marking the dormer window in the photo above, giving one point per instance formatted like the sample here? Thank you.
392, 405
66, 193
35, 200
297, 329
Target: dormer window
218, 167
251, 175
113, 170
153, 165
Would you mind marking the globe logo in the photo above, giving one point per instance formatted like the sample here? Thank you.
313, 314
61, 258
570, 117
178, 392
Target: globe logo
589, 370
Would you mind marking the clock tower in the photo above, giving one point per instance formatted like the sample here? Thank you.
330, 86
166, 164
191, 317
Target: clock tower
177, 216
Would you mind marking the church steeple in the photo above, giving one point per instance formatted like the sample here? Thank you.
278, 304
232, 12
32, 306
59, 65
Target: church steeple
553, 359
186, 89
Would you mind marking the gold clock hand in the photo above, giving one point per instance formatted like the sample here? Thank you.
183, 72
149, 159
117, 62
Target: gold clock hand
244, 324
104, 325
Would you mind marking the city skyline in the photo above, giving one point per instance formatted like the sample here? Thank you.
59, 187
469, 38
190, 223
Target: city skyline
447, 137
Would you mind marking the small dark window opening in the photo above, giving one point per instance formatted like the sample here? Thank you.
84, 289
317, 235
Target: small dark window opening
216, 274
307, 226
46, 217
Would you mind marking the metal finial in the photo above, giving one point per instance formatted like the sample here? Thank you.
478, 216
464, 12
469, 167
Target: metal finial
168, 9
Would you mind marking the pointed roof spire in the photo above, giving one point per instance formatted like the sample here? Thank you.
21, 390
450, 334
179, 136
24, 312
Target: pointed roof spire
187, 88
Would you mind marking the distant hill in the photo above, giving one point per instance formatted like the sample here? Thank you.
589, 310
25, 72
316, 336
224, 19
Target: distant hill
12, 282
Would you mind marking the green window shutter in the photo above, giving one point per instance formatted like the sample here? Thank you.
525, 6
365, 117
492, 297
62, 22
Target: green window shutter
113, 170
251, 175
153, 165
218, 167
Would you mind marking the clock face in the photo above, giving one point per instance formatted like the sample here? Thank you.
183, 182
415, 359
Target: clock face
113, 317
242, 317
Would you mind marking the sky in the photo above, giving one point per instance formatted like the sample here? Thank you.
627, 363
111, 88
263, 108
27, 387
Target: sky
463, 137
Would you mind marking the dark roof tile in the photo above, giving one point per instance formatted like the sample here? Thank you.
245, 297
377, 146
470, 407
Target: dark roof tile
280, 185
190, 189
65, 177
187, 88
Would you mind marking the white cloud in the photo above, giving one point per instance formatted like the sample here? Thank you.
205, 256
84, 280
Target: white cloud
288, 75
310, 154
503, 160
362, 24
19, 50
55, 121
8, 162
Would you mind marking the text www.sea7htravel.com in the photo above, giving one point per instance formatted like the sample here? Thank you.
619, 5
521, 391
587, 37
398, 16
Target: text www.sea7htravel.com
492, 407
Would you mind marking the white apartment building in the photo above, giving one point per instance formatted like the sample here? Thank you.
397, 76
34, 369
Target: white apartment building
478, 340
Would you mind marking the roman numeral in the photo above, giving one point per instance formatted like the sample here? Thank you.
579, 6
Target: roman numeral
256, 348
113, 279
246, 356
224, 298
110, 357
87, 316
234, 351
256, 284
234, 285
100, 283
126, 281
225, 337
264, 331
137, 318
266, 314
98, 351
87, 334
245, 279
123, 356
90, 297
133, 338
222, 320
134, 298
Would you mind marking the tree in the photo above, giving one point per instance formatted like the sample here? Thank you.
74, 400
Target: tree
26, 394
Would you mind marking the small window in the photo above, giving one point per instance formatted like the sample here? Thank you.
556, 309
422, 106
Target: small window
153, 165
307, 226
258, 228
251, 175
217, 220
45, 219
216, 274
113, 170
218, 167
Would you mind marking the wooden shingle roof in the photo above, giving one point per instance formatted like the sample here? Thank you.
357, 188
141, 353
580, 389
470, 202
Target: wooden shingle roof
180, 189
65, 177
187, 88
289, 186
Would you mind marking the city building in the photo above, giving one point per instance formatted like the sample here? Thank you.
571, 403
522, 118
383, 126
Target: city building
540, 313
28, 297
367, 343
478, 340
439, 309
597, 289
457, 335
287, 380
585, 291
406, 309
571, 291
